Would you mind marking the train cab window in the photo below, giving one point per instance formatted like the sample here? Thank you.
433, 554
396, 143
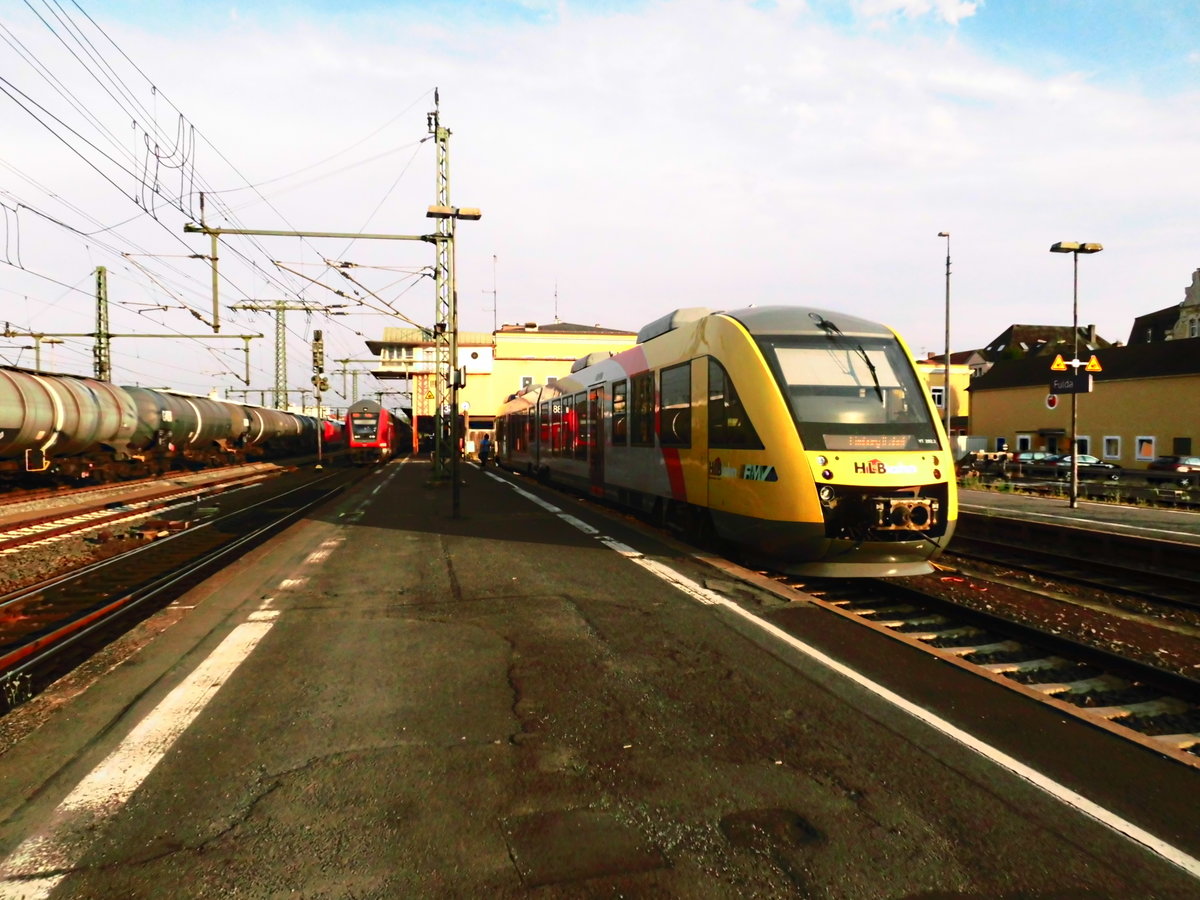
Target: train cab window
641, 410
583, 426
620, 432
851, 393
675, 412
729, 428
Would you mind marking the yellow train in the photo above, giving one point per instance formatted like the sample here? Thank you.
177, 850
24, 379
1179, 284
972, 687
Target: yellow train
805, 438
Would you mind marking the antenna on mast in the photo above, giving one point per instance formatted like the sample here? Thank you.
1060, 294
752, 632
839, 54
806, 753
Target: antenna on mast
556, 300
495, 322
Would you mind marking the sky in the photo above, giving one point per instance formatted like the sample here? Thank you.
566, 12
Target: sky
630, 157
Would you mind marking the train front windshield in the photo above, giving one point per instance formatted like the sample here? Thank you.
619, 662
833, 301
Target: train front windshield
365, 426
851, 393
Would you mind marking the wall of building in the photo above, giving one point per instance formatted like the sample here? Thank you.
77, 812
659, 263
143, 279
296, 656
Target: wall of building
1141, 418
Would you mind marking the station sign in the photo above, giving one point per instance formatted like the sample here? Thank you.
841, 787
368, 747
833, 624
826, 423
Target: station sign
1071, 383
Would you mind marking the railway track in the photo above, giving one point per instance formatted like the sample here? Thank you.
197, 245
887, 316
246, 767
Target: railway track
48, 628
1137, 700
51, 526
1153, 569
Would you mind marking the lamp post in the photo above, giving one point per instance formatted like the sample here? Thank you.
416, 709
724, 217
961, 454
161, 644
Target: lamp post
947, 399
452, 214
1075, 248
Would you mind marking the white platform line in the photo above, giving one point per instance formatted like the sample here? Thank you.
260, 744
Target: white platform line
36, 867
1077, 801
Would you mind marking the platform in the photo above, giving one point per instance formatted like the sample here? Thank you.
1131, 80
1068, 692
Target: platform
1160, 522
540, 698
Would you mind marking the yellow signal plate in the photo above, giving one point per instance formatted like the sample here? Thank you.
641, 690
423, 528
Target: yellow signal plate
1093, 365
1058, 365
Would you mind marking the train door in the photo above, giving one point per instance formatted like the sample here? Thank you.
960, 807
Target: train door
596, 444
730, 436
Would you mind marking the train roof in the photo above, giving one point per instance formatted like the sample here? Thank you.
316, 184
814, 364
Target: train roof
805, 320
802, 320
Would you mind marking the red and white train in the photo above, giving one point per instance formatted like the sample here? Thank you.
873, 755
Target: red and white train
372, 432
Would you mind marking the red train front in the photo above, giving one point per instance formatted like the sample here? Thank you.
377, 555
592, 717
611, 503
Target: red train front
370, 433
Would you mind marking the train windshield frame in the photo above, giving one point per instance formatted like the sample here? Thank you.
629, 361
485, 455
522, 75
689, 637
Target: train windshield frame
848, 393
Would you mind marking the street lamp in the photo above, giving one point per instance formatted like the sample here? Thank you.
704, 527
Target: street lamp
946, 400
452, 214
1075, 248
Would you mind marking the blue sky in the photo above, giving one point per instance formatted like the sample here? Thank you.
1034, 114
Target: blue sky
629, 157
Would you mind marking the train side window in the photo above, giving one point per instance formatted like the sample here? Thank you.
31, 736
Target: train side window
583, 433
675, 413
620, 431
641, 411
729, 428
543, 429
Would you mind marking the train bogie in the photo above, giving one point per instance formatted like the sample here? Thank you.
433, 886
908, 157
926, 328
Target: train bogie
802, 437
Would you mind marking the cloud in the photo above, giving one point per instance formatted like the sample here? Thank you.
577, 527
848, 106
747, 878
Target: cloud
643, 158
949, 11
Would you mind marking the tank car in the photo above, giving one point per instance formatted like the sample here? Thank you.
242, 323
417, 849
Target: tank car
370, 433
67, 426
78, 423
803, 438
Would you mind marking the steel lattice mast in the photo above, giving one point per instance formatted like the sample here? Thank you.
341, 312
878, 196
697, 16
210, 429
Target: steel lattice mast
443, 332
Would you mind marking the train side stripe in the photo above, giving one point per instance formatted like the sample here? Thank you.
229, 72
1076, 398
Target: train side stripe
675, 472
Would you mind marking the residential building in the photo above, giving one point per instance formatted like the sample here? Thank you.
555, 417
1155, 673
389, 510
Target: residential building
1142, 404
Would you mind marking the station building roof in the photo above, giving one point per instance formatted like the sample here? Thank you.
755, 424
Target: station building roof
1159, 360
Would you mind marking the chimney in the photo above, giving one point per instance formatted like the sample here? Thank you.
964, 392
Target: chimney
1091, 335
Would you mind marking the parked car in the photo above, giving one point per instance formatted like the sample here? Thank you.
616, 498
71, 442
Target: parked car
1089, 467
1030, 457
1184, 469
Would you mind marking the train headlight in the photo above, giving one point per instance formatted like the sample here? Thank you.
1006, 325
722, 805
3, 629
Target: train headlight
827, 475
937, 473
935, 460
826, 493
822, 460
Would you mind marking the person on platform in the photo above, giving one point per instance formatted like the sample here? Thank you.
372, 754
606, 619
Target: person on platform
485, 450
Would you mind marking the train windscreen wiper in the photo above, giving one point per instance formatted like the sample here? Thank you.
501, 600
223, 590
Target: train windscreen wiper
834, 333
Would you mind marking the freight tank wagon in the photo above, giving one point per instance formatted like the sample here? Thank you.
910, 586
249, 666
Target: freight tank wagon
802, 438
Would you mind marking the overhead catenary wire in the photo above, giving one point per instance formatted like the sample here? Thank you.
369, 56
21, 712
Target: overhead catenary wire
173, 147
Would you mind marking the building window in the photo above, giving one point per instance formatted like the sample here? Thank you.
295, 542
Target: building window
551, 379
939, 395
1145, 448
675, 409
526, 381
1112, 447
1181, 446
1024, 442
641, 410
620, 433
728, 425
1083, 444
